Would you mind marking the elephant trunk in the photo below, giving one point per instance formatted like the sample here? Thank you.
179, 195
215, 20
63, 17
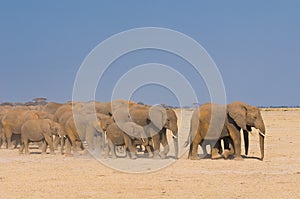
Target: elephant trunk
262, 133
175, 140
246, 141
262, 144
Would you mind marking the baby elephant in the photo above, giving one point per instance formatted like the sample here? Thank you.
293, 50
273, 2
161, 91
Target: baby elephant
130, 134
39, 130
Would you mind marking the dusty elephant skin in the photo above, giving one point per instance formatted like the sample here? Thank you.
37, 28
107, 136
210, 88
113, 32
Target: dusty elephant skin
87, 128
238, 115
39, 130
127, 135
12, 122
157, 119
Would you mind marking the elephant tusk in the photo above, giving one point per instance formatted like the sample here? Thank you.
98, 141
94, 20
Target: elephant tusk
174, 136
261, 134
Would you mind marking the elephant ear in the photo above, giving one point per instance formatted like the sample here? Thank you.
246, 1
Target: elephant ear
158, 116
238, 111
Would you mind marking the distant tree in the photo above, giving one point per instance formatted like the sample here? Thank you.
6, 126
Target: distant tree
37, 101
196, 104
6, 104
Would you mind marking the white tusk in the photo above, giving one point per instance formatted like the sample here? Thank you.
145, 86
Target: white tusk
174, 136
261, 133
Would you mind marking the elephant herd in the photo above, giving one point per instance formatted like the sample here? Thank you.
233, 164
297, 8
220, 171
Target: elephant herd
103, 127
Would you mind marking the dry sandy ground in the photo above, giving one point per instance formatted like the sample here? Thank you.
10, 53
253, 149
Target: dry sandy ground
278, 176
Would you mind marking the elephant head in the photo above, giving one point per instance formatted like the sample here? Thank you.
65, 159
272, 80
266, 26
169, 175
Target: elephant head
245, 117
55, 128
104, 121
165, 118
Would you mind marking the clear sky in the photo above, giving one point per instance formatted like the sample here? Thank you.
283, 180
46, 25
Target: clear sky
255, 44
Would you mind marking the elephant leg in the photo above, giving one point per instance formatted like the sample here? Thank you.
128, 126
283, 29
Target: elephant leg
216, 150
219, 146
26, 146
130, 147
203, 145
164, 142
21, 149
102, 143
246, 141
228, 147
50, 143
226, 152
236, 138
1, 140
106, 151
156, 145
90, 141
128, 153
18, 140
44, 147
112, 149
193, 153
8, 135
73, 144
68, 147
22, 145
15, 140
56, 142
149, 151
62, 144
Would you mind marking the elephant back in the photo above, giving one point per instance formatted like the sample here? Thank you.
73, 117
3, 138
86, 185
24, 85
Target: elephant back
51, 107
212, 118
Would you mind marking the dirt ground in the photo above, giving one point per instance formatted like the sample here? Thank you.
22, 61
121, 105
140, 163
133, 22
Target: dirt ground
56, 176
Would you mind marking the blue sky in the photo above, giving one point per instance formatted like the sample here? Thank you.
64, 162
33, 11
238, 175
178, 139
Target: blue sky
255, 44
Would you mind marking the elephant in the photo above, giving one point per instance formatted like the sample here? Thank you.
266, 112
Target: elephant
107, 107
86, 128
129, 134
39, 130
157, 119
51, 107
13, 121
62, 114
61, 110
3, 111
207, 124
